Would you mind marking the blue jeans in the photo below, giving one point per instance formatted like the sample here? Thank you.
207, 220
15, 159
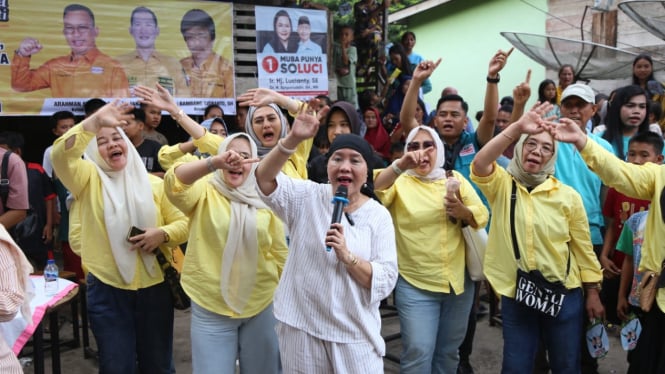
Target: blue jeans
522, 330
217, 341
433, 325
130, 327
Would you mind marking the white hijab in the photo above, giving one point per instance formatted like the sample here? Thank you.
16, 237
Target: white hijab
240, 256
437, 171
128, 201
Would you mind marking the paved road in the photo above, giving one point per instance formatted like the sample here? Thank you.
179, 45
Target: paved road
486, 357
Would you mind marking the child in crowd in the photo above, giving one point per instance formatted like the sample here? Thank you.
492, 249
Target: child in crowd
655, 115
153, 117
642, 148
547, 93
148, 149
345, 58
630, 244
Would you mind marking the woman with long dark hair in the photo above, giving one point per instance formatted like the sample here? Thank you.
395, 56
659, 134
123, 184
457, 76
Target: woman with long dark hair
627, 115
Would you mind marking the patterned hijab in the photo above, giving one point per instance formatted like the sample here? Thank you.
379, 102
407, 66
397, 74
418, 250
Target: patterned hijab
250, 130
516, 168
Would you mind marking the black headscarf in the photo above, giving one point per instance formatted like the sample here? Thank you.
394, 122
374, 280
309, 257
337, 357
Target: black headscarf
360, 145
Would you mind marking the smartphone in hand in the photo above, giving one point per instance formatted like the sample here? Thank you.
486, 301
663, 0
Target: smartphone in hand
133, 231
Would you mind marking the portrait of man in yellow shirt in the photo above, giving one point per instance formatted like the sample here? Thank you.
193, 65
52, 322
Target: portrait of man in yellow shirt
85, 72
207, 73
144, 65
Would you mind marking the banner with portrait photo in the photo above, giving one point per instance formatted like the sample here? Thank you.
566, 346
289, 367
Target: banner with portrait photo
291, 50
55, 55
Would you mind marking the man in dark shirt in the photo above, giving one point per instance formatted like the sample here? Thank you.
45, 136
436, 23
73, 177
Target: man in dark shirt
148, 149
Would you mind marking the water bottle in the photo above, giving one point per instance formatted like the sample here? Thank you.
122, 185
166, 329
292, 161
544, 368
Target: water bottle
51, 278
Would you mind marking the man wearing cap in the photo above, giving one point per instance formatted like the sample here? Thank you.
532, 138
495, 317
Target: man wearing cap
305, 45
577, 103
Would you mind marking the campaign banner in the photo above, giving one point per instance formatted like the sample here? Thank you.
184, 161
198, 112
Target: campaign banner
291, 51
56, 55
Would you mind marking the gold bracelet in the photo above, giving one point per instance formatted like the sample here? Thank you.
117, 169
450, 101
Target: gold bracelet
353, 260
283, 148
507, 136
178, 116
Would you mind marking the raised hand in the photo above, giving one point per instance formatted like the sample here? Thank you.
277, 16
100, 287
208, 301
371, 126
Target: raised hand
532, 122
498, 61
522, 91
306, 123
413, 159
567, 131
159, 97
232, 160
425, 69
258, 97
29, 46
114, 114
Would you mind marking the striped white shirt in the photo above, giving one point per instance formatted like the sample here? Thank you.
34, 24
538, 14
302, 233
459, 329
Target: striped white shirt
316, 293
11, 299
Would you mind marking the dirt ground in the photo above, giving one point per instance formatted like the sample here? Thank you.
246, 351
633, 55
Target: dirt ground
486, 357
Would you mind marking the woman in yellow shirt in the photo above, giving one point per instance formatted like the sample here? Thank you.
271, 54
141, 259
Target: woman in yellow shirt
434, 293
265, 125
552, 238
129, 304
235, 255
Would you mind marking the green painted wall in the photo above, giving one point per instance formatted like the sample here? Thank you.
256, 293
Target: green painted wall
465, 34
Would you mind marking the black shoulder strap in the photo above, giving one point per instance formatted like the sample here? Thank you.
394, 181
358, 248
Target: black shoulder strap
4, 179
513, 199
516, 251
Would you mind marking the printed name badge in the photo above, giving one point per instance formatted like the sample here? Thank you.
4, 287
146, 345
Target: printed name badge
630, 332
596, 339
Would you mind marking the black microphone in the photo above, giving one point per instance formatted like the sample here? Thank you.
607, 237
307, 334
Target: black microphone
340, 200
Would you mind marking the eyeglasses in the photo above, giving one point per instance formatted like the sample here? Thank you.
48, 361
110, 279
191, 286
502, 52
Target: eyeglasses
81, 29
414, 146
545, 149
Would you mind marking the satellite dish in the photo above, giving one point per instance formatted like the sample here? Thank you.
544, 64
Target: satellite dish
648, 14
590, 60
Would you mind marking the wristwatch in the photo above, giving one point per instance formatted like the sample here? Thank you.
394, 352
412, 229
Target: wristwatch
493, 80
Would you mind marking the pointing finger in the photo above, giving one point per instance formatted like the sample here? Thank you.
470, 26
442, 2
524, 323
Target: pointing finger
528, 76
509, 51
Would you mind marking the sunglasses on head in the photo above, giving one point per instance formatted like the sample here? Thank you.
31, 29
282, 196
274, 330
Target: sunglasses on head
414, 146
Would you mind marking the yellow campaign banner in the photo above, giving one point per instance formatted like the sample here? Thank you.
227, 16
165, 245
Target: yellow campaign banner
55, 55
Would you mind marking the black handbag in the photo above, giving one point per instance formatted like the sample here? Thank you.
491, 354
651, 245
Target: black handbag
532, 289
180, 299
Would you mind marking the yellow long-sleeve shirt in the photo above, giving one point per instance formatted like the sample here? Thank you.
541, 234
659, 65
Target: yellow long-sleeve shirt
550, 225
645, 182
82, 180
209, 213
430, 248
214, 78
295, 166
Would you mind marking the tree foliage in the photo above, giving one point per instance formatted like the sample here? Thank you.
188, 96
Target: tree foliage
342, 11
